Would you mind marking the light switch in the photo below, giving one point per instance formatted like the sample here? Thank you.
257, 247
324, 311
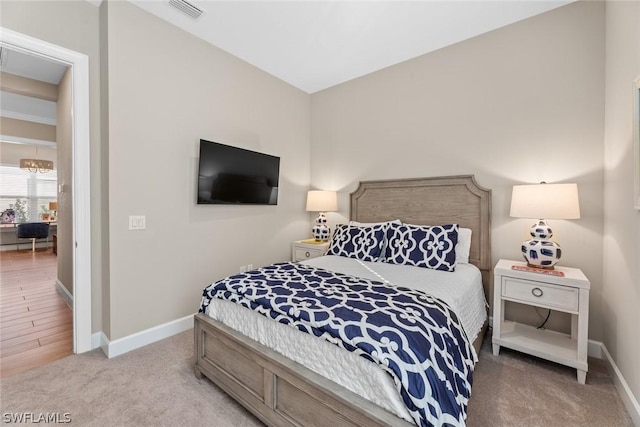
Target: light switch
137, 222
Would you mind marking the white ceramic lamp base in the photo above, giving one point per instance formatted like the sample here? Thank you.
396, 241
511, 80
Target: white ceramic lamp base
540, 252
321, 231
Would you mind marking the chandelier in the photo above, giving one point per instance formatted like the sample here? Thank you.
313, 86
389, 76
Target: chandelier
36, 165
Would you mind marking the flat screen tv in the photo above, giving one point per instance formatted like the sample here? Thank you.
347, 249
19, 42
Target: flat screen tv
230, 175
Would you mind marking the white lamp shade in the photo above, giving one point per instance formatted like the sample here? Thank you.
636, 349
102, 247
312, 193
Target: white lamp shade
545, 201
322, 201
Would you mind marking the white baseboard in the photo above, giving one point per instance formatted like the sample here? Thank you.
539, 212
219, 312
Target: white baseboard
140, 339
64, 293
25, 246
594, 349
96, 340
629, 400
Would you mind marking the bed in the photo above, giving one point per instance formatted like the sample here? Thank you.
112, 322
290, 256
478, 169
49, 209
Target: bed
281, 391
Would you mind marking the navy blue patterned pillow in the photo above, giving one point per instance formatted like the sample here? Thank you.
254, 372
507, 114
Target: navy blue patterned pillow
423, 246
363, 243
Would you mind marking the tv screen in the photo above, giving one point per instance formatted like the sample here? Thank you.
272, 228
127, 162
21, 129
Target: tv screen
231, 175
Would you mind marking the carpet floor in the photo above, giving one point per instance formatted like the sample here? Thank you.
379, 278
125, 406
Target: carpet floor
155, 386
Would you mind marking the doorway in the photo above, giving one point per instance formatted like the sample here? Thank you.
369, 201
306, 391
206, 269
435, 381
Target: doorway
36, 315
81, 227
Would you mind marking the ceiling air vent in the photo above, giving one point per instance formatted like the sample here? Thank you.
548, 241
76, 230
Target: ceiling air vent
187, 8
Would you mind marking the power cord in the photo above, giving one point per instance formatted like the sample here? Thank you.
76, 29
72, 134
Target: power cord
545, 320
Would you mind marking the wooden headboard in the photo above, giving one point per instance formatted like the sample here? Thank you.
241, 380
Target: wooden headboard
432, 201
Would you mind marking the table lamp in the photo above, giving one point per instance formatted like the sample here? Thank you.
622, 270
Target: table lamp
544, 201
321, 201
53, 208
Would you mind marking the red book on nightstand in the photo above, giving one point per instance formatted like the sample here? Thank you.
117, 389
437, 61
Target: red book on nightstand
537, 270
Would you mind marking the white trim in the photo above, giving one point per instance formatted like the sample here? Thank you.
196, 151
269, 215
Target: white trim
594, 349
97, 339
64, 293
79, 64
25, 246
629, 400
28, 117
140, 339
10, 139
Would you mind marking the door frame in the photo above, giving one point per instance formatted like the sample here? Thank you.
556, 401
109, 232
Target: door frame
80, 188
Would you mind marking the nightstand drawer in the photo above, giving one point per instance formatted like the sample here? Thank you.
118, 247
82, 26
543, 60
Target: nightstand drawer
555, 297
301, 254
305, 253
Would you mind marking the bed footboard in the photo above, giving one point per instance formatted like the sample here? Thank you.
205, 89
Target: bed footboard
275, 389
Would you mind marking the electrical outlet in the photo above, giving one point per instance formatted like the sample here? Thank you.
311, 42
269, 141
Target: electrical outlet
243, 268
137, 222
250, 267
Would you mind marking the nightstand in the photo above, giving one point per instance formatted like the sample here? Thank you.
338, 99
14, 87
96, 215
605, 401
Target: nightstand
568, 293
301, 250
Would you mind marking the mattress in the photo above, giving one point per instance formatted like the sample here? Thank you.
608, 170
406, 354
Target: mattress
461, 289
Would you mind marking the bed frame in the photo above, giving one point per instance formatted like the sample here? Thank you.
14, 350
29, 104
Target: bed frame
281, 392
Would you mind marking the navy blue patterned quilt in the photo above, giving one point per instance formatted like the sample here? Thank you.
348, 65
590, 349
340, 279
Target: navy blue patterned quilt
413, 336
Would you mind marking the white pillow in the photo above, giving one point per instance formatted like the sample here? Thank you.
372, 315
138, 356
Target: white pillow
464, 246
365, 224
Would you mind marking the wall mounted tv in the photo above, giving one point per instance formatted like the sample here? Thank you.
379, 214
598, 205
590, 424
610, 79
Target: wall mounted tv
230, 175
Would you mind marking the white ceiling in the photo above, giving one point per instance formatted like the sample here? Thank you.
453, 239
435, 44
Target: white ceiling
22, 107
27, 108
31, 66
310, 44
314, 45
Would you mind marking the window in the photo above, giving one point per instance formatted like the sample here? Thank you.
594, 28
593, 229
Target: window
36, 190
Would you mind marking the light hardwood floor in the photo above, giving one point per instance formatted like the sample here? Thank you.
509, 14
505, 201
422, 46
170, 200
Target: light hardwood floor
36, 324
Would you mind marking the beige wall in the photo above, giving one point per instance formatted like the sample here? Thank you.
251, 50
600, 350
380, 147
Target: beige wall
26, 129
65, 181
521, 104
73, 25
621, 289
28, 87
166, 90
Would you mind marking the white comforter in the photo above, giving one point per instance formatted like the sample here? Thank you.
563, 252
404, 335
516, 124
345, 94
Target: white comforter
461, 289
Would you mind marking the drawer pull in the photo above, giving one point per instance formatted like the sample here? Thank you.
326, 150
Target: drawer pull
537, 292
307, 254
